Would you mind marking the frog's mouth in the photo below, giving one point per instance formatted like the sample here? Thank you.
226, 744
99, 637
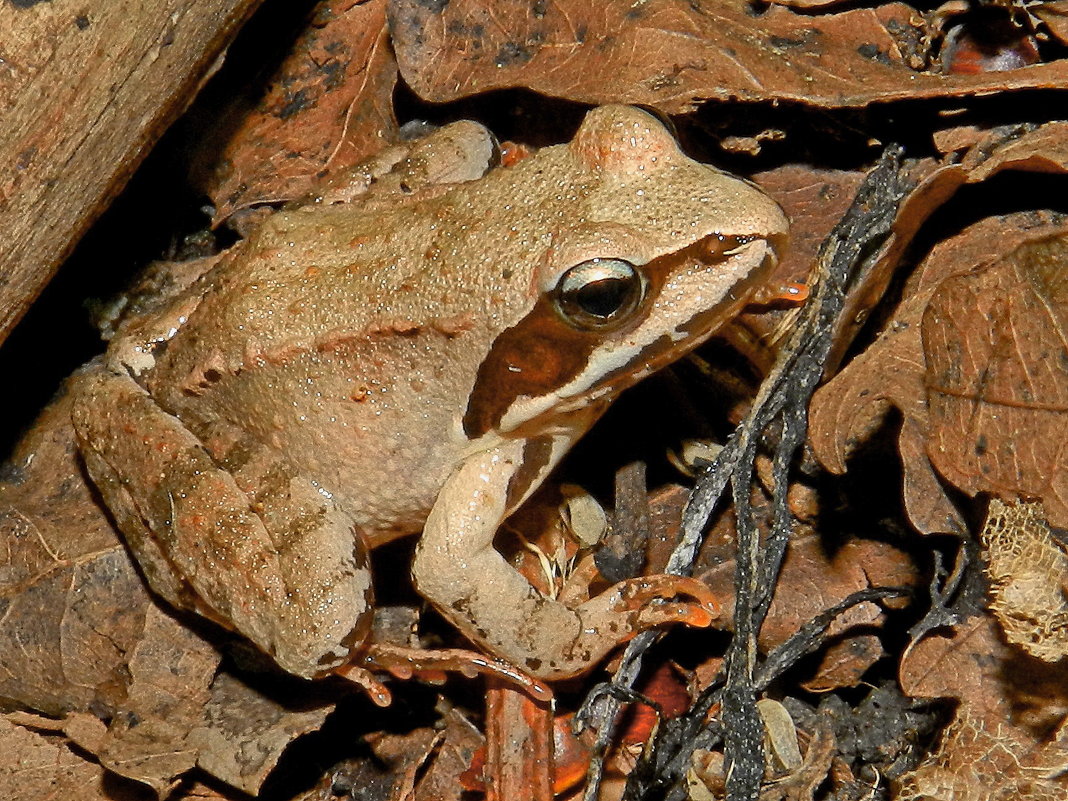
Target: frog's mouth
543, 367
639, 360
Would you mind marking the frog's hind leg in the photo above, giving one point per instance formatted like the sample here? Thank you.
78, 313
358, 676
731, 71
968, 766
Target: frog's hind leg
231, 532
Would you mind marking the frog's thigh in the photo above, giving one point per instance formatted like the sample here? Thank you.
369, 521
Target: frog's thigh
285, 568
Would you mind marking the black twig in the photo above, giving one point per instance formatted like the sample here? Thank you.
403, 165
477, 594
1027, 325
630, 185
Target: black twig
783, 398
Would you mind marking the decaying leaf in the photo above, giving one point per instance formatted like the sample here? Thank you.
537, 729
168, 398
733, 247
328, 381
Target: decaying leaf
996, 357
1007, 740
1028, 571
149, 737
455, 752
674, 55
83, 641
74, 607
327, 107
243, 730
963, 433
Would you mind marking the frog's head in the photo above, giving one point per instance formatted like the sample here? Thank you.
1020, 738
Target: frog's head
667, 250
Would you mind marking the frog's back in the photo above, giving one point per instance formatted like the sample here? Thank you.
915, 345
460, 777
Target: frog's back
351, 342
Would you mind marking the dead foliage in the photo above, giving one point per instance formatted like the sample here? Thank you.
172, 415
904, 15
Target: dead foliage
690, 53
873, 485
325, 107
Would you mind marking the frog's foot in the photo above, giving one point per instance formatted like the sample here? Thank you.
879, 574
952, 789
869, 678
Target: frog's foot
552, 641
432, 666
644, 601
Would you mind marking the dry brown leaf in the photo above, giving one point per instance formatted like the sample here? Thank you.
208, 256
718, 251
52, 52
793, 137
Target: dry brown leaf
74, 607
674, 55
404, 755
39, 766
1054, 14
1007, 740
328, 106
148, 740
996, 358
892, 373
243, 731
1025, 146
83, 639
815, 201
441, 781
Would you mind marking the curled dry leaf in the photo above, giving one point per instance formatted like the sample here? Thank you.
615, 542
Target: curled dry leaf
955, 351
1022, 147
674, 55
1007, 740
328, 106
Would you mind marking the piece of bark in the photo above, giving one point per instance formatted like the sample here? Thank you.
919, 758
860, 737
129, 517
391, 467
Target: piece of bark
519, 738
85, 92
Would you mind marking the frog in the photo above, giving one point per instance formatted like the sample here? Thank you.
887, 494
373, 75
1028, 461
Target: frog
360, 369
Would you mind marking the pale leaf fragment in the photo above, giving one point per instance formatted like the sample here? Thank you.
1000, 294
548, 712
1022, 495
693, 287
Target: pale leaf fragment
1027, 569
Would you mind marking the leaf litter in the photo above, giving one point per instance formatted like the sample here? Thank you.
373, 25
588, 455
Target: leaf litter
948, 354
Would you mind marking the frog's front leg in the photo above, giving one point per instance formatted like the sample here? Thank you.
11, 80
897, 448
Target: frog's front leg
231, 532
457, 568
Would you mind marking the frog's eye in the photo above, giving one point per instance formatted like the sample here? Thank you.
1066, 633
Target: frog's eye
599, 293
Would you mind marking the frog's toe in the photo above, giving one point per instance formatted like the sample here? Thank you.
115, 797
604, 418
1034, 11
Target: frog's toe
659, 613
365, 680
646, 595
431, 665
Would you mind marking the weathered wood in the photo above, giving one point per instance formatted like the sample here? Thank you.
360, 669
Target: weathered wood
85, 90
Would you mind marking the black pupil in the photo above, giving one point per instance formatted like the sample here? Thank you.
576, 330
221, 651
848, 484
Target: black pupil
605, 297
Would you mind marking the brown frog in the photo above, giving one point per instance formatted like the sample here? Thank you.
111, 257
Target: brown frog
361, 370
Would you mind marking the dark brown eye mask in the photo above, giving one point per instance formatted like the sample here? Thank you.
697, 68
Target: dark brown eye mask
547, 350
